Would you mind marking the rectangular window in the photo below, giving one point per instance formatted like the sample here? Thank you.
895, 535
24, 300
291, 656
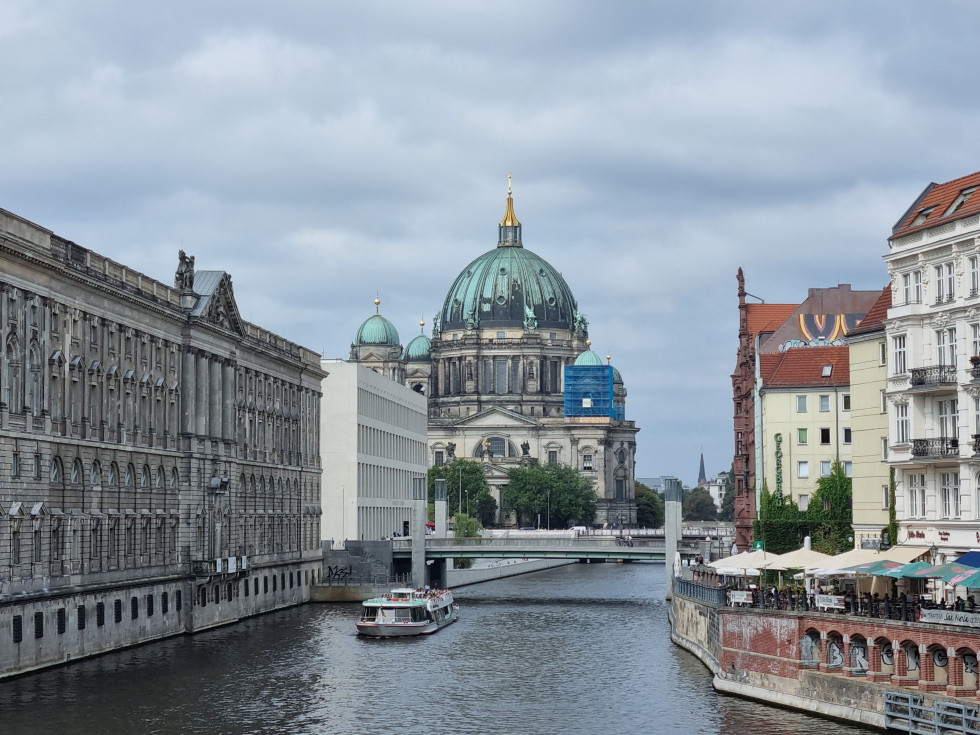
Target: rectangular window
824, 403
975, 340
587, 462
848, 469
949, 493
100, 614
18, 628
948, 428
825, 469
15, 465
801, 436
847, 435
898, 353
39, 625
803, 501
552, 457
912, 287
134, 608
178, 601
884, 449
846, 402
917, 495
81, 617
149, 606
884, 497
803, 470
884, 402
117, 611
974, 275
620, 488
825, 436
945, 279
801, 404
902, 423
946, 346
882, 354
440, 461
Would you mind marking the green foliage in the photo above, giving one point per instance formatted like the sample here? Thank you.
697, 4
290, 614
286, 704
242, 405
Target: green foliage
649, 507
727, 512
699, 506
465, 526
476, 496
779, 524
557, 489
892, 520
829, 515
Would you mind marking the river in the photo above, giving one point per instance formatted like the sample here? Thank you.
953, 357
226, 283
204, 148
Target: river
578, 649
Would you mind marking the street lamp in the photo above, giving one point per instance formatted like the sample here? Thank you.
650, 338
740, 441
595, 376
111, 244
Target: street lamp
933, 553
549, 508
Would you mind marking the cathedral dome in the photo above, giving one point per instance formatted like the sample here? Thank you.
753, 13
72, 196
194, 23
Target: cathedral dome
588, 357
418, 349
376, 330
510, 286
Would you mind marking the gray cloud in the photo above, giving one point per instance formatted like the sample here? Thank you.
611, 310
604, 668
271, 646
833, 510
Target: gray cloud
323, 155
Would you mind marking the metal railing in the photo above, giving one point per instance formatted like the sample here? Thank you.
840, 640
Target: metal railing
694, 591
933, 375
907, 713
936, 447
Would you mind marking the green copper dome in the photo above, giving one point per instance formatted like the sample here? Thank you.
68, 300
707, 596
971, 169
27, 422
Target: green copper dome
376, 330
588, 358
418, 349
510, 286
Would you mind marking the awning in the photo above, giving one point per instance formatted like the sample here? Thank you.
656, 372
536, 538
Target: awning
970, 558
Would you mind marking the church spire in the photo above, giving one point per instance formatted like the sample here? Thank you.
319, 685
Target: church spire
702, 478
510, 227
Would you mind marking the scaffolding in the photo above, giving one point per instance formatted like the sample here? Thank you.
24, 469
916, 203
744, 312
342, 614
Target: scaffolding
589, 392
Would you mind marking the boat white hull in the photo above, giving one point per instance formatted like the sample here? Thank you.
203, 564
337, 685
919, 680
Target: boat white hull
402, 630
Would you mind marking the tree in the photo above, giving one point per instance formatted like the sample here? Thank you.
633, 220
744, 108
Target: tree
465, 526
727, 512
649, 507
476, 497
829, 514
554, 491
699, 506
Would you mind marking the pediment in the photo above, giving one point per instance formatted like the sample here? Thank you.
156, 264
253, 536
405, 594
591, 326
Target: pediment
496, 418
216, 303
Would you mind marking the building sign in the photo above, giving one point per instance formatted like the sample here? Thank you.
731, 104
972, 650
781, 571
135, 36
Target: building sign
950, 617
779, 464
740, 597
829, 602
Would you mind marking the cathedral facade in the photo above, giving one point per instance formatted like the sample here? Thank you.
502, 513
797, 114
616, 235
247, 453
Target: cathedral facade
494, 372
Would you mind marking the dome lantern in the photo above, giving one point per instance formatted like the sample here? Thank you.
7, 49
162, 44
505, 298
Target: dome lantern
509, 230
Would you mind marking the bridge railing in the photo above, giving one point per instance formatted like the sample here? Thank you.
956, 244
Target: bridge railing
694, 591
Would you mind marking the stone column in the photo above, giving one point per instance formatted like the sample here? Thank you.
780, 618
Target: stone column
228, 405
215, 410
201, 404
188, 393
672, 529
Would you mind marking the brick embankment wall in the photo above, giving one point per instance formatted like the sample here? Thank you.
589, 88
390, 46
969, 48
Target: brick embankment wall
756, 654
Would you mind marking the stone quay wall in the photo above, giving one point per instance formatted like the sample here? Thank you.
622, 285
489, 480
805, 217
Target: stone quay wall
829, 664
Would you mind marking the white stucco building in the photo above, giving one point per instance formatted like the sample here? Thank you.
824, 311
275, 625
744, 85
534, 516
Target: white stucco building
373, 443
933, 391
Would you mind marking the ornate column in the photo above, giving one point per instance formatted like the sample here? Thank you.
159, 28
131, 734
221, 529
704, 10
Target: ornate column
228, 401
188, 391
201, 404
215, 411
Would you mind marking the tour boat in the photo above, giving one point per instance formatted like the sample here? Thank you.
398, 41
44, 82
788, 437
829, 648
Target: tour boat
406, 612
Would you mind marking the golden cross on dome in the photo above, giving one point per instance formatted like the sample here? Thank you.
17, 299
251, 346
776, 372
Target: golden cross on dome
509, 191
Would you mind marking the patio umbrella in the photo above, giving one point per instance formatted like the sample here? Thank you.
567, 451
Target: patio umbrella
969, 579
915, 570
804, 559
946, 571
875, 567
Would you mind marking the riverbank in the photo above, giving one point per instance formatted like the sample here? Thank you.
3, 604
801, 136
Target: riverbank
848, 668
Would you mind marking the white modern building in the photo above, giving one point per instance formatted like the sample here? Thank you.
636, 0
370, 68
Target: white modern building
373, 444
933, 390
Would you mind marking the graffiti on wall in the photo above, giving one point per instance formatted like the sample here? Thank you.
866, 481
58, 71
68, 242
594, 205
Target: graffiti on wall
820, 330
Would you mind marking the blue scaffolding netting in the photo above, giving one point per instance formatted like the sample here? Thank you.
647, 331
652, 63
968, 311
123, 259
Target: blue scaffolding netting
589, 392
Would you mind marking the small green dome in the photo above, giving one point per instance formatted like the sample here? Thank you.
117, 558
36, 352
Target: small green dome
376, 330
619, 387
418, 349
588, 358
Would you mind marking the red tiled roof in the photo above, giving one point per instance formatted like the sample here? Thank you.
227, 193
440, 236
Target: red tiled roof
767, 317
802, 367
873, 320
939, 197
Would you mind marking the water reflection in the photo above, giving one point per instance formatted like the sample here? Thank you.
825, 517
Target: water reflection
581, 649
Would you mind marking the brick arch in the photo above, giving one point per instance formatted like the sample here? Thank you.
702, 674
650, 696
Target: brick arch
810, 648
935, 665
965, 669
835, 656
909, 660
886, 656
858, 655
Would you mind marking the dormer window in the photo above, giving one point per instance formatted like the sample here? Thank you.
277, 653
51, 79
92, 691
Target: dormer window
826, 370
922, 216
961, 199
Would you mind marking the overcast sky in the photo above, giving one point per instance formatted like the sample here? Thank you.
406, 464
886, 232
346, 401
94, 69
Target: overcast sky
323, 153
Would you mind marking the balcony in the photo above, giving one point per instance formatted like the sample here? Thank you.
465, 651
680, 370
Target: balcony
937, 448
932, 376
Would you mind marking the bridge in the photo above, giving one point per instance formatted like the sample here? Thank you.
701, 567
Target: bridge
555, 545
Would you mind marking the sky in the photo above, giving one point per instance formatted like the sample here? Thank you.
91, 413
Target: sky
324, 153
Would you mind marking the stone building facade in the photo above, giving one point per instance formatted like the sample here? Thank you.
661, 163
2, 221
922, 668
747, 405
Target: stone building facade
159, 455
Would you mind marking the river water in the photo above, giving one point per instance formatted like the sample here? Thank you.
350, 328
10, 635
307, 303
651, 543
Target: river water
579, 649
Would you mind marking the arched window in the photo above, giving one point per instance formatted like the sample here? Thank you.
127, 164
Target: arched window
76, 472
145, 476
96, 476
113, 474
160, 477
57, 470
174, 479
130, 475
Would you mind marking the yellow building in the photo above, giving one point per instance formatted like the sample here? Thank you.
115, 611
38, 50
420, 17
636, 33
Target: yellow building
805, 418
869, 424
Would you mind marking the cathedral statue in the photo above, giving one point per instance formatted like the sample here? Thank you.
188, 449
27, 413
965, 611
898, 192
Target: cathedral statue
525, 448
184, 277
451, 451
